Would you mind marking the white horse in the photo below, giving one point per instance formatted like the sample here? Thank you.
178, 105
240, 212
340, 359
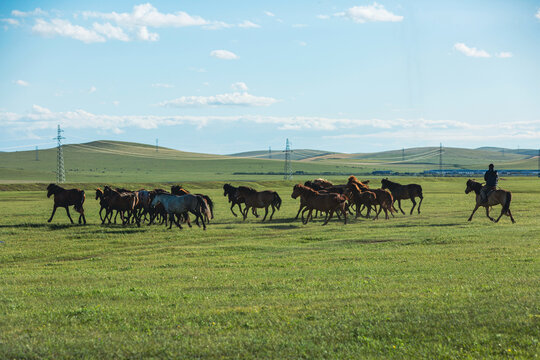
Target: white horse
180, 205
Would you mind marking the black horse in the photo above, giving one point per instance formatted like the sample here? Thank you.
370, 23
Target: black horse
65, 198
402, 192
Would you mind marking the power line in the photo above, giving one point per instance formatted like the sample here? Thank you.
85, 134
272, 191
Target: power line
60, 172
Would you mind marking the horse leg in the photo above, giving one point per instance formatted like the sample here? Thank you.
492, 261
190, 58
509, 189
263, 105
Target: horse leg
420, 203
246, 209
399, 205
171, 219
511, 217
489, 217
69, 216
232, 206
298, 213
308, 216
273, 211
475, 208
265, 213
329, 217
413, 205
52, 215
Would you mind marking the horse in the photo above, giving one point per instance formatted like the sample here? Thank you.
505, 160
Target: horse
103, 204
327, 202
180, 205
121, 202
232, 193
259, 199
495, 197
65, 198
402, 192
383, 197
362, 199
179, 190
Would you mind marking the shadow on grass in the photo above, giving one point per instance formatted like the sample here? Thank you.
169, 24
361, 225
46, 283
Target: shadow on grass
39, 225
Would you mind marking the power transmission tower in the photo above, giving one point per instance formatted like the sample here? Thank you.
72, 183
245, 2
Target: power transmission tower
287, 171
440, 158
60, 172
37, 154
269, 152
403, 154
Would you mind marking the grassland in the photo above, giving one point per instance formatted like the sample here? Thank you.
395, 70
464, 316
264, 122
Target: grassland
427, 286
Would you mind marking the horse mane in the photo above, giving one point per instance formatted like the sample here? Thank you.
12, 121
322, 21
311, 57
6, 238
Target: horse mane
247, 189
390, 182
322, 183
306, 189
354, 180
53, 189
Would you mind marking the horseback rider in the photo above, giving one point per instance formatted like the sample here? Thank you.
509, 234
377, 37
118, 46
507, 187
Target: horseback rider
492, 178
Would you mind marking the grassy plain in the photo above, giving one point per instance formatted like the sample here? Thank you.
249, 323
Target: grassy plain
424, 286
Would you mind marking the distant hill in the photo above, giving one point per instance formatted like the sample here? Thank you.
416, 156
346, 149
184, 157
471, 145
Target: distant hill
114, 161
529, 152
296, 154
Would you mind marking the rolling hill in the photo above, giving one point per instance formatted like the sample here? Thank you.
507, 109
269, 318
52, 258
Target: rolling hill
114, 161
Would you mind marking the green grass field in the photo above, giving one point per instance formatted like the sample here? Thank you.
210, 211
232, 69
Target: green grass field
430, 286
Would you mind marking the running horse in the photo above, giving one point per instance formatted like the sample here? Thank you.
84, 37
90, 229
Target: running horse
403, 192
495, 197
65, 198
259, 199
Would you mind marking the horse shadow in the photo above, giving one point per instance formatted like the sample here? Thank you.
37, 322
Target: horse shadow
38, 225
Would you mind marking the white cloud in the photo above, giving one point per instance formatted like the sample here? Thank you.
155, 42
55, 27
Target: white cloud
248, 24
116, 102
302, 43
162, 85
268, 13
93, 89
144, 34
239, 86
224, 54
323, 17
505, 54
472, 52
21, 83
9, 21
148, 15
35, 12
299, 25
538, 14
42, 118
231, 99
59, 27
370, 13
110, 31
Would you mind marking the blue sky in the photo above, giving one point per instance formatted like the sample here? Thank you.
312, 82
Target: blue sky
230, 76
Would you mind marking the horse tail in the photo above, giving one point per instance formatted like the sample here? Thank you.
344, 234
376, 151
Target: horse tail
506, 206
210, 204
79, 205
202, 206
277, 201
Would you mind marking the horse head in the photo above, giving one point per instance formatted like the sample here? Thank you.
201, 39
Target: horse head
99, 193
52, 189
385, 183
296, 191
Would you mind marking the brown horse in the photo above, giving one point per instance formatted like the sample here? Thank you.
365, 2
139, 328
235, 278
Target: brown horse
259, 199
324, 202
402, 192
103, 204
232, 193
362, 199
383, 197
123, 203
65, 198
496, 197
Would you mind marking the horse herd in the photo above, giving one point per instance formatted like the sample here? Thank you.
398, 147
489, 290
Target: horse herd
319, 195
